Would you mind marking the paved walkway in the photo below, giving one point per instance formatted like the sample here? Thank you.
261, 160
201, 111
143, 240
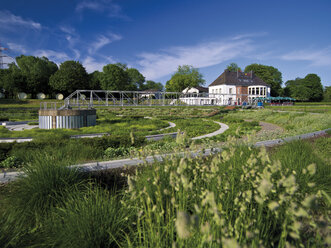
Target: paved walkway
223, 128
105, 165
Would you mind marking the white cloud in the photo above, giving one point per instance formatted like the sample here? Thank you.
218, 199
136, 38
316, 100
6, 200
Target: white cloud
92, 65
107, 6
103, 41
157, 65
52, 55
68, 30
17, 47
249, 35
9, 19
320, 57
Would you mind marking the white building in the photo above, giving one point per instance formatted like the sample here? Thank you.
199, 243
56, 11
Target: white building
230, 88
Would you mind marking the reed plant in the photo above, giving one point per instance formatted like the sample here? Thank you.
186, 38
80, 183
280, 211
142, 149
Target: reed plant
241, 197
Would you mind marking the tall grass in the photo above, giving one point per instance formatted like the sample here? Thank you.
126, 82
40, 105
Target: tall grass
241, 197
46, 184
94, 219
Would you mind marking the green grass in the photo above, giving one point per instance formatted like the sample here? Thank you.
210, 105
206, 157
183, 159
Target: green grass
292, 123
243, 196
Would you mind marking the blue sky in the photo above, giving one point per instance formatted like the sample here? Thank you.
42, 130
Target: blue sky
155, 36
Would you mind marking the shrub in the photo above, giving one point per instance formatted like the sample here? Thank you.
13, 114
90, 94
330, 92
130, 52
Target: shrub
11, 162
111, 152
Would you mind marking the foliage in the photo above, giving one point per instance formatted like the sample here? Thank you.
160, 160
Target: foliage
305, 89
47, 185
71, 76
293, 123
241, 197
233, 67
11, 162
327, 94
114, 77
12, 80
94, 80
185, 76
94, 219
121, 151
269, 75
151, 85
37, 72
135, 78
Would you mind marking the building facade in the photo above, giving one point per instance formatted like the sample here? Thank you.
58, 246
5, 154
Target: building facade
230, 88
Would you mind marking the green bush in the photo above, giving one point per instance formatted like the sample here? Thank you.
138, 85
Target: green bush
111, 152
11, 162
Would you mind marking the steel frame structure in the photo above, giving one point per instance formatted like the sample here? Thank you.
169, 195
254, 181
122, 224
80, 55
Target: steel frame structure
94, 98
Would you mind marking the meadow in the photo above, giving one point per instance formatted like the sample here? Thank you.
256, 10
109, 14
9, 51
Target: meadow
241, 197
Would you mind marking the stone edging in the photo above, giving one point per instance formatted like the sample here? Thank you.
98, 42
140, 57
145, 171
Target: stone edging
105, 165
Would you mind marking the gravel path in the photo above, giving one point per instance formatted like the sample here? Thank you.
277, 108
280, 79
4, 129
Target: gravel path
268, 127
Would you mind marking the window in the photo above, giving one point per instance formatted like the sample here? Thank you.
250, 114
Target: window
230, 91
249, 91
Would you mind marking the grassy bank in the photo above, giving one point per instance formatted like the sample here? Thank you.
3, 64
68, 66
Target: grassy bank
243, 196
291, 122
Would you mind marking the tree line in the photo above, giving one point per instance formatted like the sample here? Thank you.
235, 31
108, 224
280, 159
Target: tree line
308, 88
34, 75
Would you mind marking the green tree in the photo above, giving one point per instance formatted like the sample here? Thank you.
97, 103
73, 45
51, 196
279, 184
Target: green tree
151, 85
315, 87
305, 89
12, 80
37, 72
186, 76
94, 80
233, 67
327, 94
71, 76
269, 75
135, 78
114, 77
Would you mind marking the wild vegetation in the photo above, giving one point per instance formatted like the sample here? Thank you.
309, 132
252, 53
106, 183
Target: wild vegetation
241, 197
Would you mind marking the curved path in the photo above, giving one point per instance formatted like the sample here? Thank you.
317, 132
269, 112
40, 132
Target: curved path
223, 128
106, 165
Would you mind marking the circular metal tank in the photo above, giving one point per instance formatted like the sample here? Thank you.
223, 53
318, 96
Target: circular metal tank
66, 118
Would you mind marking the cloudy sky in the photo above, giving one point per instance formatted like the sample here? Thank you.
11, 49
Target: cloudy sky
155, 36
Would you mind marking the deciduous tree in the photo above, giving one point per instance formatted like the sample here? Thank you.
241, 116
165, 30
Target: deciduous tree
37, 72
151, 85
269, 75
114, 77
135, 78
233, 67
70, 77
186, 76
308, 88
